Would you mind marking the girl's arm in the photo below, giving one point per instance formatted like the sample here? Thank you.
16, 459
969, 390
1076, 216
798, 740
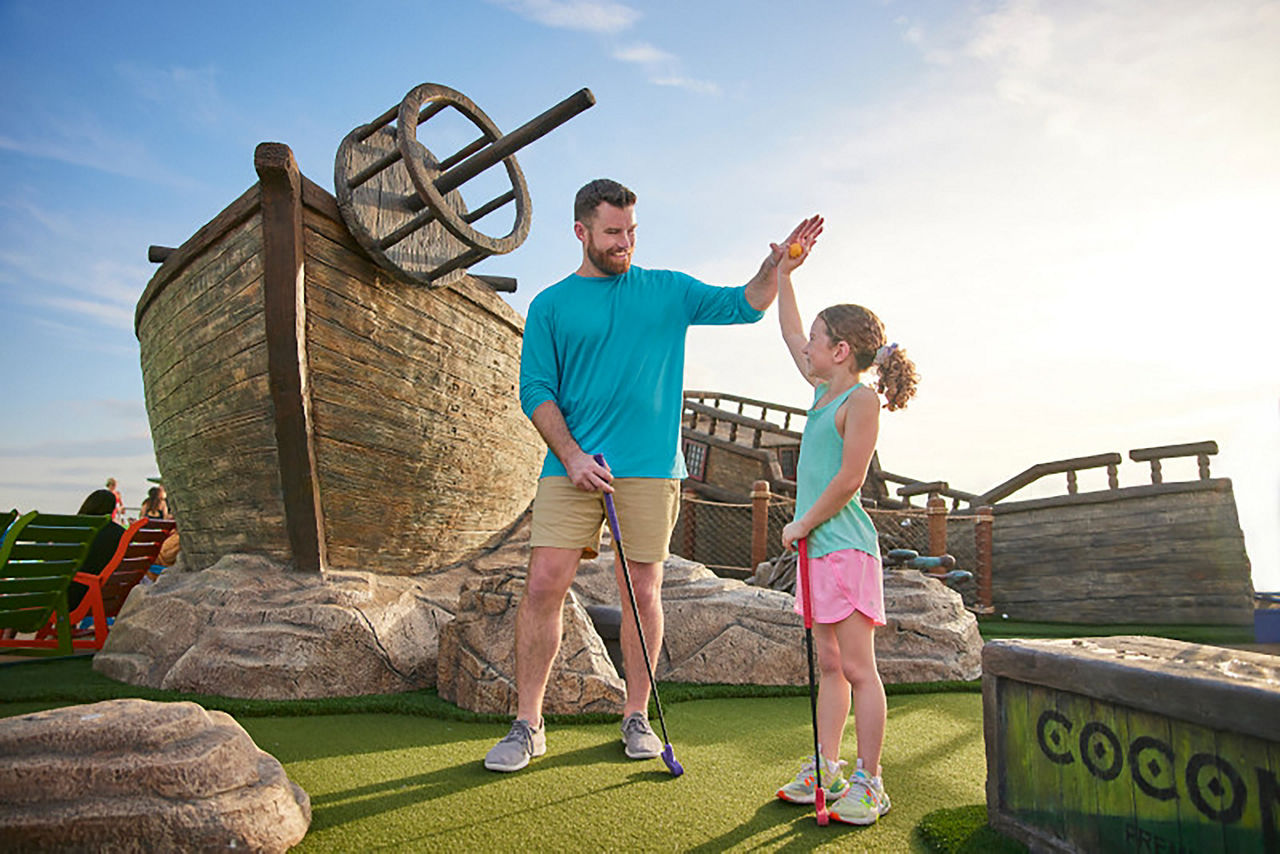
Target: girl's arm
861, 415
793, 334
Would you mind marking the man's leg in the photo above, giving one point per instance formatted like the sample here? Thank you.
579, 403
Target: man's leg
646, 579
539, 625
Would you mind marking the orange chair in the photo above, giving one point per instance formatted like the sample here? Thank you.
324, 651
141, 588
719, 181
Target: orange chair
139, 546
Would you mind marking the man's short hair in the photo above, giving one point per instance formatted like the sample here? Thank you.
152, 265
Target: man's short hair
597, 191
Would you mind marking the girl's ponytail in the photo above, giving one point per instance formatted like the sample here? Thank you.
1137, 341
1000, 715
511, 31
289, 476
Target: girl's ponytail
897, 377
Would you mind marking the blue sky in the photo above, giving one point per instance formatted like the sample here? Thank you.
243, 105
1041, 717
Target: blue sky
1065, 211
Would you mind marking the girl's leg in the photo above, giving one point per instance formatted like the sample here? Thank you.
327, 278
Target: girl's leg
855, 636
833, 691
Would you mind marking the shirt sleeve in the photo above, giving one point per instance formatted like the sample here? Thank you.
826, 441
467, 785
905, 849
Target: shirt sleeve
538, 374
709, 305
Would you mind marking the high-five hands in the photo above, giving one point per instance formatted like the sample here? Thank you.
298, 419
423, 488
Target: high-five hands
792, 252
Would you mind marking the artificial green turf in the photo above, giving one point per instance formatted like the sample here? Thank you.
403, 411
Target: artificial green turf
964, 830
412, 779
398, 782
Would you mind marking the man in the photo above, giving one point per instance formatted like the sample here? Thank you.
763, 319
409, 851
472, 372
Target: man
602, 372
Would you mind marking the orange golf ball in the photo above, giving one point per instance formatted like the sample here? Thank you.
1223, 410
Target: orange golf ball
795, 250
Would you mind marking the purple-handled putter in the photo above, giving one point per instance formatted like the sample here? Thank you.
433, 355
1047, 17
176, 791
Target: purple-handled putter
668, 754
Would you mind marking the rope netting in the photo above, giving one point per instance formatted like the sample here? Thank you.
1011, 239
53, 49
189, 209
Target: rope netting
718, 534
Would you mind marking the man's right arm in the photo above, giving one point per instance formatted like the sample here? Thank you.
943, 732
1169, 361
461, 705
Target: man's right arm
539, 384
584, 472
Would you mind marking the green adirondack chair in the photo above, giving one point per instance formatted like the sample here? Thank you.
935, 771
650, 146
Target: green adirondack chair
39, 555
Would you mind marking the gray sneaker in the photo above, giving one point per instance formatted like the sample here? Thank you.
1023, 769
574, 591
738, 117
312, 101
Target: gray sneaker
639, 737
518, 746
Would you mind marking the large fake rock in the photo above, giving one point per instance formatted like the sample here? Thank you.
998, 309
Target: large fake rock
135, 775
720, 630
477, 662
247, 627
929, 636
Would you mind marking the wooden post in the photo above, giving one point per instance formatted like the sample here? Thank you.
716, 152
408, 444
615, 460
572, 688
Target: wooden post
690, 526
936, 512
759, 523
285, 316
982, 532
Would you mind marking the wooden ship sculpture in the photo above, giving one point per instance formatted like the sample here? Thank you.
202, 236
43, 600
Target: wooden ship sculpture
327, 384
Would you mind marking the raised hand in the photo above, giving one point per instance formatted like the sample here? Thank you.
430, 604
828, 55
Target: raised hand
792, 252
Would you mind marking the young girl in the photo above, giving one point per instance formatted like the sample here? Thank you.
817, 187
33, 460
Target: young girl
844, 554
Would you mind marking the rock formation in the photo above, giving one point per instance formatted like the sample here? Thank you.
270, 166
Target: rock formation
477, 654
247, 627
929, 636
135, 775
722, 630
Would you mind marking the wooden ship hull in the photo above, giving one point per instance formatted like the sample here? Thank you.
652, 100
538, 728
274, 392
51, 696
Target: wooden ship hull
308, 405
1159, 553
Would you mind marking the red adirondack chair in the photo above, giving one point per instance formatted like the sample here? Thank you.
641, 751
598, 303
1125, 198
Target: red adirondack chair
139, 546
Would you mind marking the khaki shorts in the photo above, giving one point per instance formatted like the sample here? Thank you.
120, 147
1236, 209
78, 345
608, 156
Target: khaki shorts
566, 517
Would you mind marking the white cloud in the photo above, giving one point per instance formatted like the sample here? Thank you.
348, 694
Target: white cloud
642, 53
596, 16
662, 68
112, 315
84, 142
702, 87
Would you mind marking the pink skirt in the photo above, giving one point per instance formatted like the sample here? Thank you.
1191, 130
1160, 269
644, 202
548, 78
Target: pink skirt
843, 582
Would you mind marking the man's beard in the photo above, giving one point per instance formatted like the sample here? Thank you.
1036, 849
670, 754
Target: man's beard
611, 265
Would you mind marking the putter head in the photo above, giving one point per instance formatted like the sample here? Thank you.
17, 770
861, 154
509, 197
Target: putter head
820, 806
673, 765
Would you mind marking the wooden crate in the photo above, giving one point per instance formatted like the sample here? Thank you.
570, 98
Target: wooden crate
1132, 744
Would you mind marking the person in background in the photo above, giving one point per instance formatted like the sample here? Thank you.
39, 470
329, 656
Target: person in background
100, 502
117, 515
156, 506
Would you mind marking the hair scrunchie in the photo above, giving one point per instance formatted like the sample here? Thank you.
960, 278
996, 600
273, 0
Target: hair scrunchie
882, 355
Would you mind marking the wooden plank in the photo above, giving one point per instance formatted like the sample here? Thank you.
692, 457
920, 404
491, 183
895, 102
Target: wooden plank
285, 314
233, 303
197, 296
197, 409
1169, 508
177, 262
1111, 495
233, 357
325, 242
1191, 449
345, 276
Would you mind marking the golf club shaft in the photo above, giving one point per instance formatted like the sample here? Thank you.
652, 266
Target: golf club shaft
808, 645
615, 530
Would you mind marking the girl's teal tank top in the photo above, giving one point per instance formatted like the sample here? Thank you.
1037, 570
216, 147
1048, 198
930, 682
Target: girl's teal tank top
821, 447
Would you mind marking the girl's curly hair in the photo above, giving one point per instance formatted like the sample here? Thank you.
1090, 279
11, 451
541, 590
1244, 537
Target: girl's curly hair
864, 333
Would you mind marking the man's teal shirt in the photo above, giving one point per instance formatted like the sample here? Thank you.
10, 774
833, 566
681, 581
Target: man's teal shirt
610, 352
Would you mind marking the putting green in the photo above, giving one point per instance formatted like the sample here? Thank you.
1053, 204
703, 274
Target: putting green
409, 783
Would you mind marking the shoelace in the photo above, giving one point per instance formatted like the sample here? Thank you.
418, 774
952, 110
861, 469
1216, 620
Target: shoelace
862, 786
634, 724
521, 732
830, 772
